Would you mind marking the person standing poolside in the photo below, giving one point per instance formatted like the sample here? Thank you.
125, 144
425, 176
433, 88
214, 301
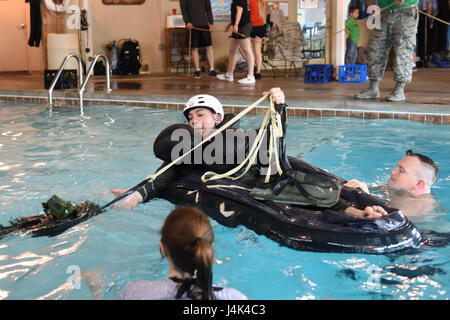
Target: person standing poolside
353, 32
398, 29
258, 33
241, 30
198, 14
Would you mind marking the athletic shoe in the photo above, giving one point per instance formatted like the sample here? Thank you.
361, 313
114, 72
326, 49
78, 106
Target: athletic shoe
197, 74
225, 76
258, 76
212, 73
247, 80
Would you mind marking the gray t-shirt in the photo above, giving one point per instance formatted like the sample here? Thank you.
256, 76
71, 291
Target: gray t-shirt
167, 289
197, 12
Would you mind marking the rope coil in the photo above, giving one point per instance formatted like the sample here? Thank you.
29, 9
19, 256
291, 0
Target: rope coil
275, 127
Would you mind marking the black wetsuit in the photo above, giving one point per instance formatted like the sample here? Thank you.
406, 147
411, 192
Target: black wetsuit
35, 23
155, 188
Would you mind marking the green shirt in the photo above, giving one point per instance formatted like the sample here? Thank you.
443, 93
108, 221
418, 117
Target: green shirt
385, 3
353, 28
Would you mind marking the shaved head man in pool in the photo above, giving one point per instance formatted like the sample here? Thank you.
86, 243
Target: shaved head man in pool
410, 184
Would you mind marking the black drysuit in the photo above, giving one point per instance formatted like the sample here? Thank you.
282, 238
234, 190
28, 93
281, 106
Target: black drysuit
163, 148
35, 23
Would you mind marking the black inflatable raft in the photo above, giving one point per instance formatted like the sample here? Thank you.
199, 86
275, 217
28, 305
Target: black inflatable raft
301, 228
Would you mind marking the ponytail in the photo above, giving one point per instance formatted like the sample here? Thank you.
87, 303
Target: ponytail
203, 261
188, 237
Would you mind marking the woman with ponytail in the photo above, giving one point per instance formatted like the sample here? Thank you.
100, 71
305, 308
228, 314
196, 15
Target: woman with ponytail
187, 242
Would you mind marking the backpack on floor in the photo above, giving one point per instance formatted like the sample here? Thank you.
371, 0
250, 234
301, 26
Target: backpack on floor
129, 58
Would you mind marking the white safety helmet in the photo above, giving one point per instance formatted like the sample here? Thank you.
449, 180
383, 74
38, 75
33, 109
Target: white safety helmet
203, 101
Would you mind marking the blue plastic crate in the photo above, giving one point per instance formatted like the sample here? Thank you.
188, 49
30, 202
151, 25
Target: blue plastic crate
318, 73
353, 73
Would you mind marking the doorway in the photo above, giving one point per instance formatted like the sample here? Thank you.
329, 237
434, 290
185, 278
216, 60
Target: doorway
13, 38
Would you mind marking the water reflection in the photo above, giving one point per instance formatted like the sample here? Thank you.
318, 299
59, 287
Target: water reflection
119, 85
26, 264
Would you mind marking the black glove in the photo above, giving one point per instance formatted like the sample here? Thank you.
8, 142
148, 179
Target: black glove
154, 189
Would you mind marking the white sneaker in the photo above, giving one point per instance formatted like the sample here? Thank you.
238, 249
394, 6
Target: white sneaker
225, 76
247, 80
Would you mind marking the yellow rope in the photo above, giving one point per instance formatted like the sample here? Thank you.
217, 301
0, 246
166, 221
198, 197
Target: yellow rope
189, 53
189, 49
276, 131
429, 15
228, 124
189, 45
249, 159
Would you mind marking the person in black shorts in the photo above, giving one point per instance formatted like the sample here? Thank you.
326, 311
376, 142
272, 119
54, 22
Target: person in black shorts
197, 14
242, 28
258, 33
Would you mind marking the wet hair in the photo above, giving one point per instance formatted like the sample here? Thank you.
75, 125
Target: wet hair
352, 9
428, 171
188, 239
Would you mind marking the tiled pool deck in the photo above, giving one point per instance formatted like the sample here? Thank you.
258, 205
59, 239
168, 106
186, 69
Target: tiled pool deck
428, 96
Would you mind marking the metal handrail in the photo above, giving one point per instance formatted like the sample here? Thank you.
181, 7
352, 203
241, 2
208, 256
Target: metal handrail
80, 75
91, 69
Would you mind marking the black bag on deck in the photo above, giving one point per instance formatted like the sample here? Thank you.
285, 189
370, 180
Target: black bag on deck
129, 58
67, 80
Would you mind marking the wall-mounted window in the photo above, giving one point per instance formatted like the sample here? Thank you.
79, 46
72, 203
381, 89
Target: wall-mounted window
109, 2
312, 16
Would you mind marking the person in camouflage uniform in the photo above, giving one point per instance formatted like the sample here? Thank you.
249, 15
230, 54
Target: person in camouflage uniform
398, 29
285, 41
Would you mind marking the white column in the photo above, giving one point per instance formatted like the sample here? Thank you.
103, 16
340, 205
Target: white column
339, 15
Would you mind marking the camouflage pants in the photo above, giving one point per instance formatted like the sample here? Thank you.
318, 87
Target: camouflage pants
398, 30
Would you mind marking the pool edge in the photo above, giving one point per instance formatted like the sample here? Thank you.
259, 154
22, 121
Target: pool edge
435, 114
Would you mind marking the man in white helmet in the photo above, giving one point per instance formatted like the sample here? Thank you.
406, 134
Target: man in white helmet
203, 112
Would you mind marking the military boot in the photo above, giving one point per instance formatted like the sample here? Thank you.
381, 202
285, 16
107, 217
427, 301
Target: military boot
373, 92
398, 94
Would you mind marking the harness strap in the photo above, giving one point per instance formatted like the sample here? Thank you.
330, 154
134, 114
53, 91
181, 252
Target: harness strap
152, 177
276, 130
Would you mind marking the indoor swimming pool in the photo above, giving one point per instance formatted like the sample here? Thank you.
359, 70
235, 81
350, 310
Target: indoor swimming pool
82, 157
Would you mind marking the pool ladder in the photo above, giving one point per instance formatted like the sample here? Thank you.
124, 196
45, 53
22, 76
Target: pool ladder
81, 83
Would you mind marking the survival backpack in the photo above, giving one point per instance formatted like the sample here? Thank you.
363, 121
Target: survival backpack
129, 58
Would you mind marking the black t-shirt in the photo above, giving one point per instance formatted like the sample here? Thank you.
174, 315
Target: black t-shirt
245, 18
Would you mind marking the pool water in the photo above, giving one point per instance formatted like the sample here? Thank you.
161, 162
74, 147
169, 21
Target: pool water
82, 157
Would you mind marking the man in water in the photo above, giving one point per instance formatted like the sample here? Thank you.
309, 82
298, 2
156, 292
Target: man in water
409, 185
203, 112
